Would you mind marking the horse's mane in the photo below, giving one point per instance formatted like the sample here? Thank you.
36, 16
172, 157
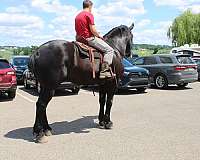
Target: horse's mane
116, 31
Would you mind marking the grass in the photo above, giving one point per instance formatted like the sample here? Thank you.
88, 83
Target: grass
148, 52
8, 53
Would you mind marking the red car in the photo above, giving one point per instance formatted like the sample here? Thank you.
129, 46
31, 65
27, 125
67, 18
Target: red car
8, 82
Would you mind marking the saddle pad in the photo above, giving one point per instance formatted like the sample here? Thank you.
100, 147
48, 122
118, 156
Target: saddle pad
84, 50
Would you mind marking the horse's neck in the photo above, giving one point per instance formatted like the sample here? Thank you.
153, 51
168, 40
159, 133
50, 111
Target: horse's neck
115, 46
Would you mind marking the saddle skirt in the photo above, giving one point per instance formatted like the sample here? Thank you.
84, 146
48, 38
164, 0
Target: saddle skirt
93, 54
86, 51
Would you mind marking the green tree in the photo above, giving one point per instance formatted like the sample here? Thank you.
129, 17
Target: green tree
185, 29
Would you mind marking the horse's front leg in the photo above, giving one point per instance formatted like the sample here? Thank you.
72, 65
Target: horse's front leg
102, 101
109, 102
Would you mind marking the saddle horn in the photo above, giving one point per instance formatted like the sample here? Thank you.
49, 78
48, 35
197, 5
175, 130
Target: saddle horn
132, 26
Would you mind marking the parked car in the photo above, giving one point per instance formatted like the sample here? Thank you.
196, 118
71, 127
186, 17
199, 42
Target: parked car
20, 64
167, 69
134, 77
8, 83
30, 81
197, 60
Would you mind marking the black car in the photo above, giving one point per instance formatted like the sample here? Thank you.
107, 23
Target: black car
20, 64
31, 82
134, 77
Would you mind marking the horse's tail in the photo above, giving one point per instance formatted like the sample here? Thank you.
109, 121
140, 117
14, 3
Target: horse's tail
32, 63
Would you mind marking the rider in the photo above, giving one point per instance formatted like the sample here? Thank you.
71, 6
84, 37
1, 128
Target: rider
85, 29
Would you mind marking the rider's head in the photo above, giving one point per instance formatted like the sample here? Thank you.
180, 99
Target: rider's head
87, 4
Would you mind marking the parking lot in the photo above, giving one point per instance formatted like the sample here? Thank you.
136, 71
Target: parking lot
156, 125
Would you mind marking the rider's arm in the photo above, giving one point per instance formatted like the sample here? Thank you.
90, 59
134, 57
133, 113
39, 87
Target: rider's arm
94, 31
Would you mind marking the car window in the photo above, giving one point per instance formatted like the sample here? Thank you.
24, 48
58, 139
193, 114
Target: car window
4, 65
126, 63
21, 61
197, 61
139, 61
150, 60
166, 60
191, 53
185, 60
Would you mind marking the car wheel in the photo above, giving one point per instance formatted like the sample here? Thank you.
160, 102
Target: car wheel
12, 94
26, 85
76, 90
161, 81
182, 85
141, 90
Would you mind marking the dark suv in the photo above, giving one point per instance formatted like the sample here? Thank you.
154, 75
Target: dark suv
31, 81
20, 64
167, 69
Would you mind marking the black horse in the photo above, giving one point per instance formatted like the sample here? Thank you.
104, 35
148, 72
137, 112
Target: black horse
57, 61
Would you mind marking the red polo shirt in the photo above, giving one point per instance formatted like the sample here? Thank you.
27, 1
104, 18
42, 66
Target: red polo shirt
82, 22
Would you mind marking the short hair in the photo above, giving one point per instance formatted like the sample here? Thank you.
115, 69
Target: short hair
87, 4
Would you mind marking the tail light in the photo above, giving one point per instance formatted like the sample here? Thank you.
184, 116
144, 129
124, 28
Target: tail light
182, 68
11, 73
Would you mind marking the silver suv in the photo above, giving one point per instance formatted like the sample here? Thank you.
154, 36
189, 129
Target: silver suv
168, 69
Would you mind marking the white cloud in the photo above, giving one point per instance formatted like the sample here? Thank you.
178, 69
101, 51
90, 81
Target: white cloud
157, 35
23, 28
117, 12
54, 6
18, 9
194, 8
143, 23
107, 16
182, 5
20, 20
16, 28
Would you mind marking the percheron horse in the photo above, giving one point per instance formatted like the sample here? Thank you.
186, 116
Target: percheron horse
58, 61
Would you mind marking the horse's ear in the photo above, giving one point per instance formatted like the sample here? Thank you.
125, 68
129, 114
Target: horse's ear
132, 26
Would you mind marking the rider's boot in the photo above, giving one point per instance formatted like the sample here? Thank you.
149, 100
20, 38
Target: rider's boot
105, 71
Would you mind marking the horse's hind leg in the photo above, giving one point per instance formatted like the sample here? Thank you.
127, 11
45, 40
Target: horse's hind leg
41, 126
110, 95
102, 101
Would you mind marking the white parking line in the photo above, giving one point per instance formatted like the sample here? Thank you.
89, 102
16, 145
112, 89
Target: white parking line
88, 92
26, 98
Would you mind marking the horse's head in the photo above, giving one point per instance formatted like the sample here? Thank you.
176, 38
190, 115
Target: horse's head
121, 39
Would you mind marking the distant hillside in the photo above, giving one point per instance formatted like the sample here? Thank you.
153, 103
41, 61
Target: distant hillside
151, 47
148, 49
140, 49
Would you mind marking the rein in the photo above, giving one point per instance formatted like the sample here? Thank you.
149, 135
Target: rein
110, 42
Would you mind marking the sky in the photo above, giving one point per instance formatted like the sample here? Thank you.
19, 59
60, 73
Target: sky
34, 22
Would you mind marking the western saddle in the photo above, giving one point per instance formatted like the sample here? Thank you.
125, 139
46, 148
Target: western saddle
88, 52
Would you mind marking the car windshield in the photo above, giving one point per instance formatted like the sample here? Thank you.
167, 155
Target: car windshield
4, 64
126, 63
185, 60
20, 61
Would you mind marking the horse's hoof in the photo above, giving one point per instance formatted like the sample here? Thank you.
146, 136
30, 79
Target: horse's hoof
101, 125
48, 133
108, 125
41, 138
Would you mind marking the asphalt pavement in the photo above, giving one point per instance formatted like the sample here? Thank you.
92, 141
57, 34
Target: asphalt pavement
156, 125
